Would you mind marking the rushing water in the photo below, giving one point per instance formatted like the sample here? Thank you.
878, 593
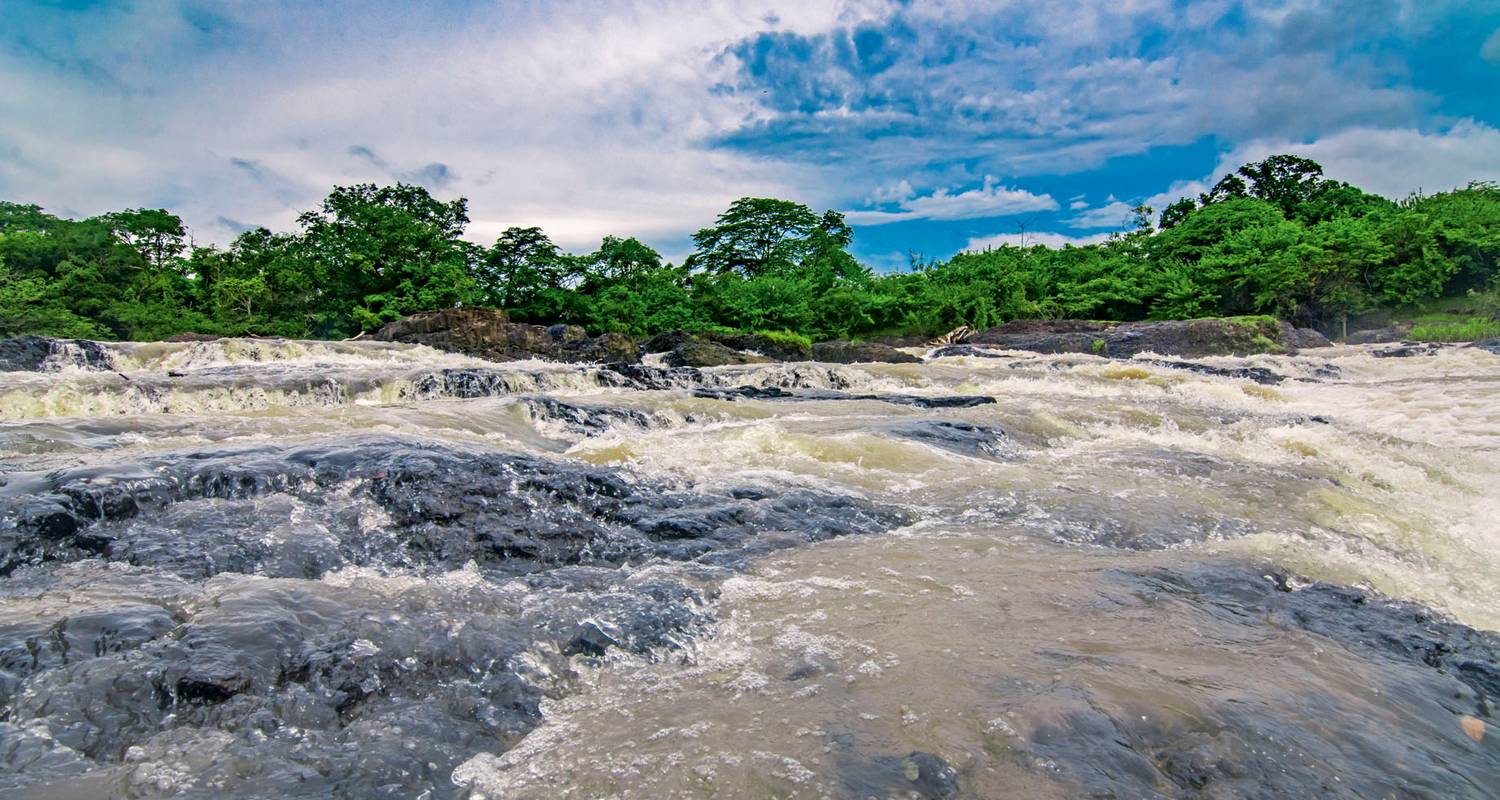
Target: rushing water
269, 569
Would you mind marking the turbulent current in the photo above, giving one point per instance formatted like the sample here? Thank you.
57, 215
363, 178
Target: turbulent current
242, 569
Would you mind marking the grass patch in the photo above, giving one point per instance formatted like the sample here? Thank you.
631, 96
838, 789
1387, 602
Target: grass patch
1454, 330
788, 338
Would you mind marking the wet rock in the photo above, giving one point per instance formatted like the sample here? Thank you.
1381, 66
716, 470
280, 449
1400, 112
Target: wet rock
1408, 350
778, 348
973, 351
683, 349
1258, 374
644, 378
1186, 338
44, 354
915, 775
746, 393
966, 438
489, 334
1489, 345
1379, 335
186, 512
775, 393
926, 401
846, 352
702, 353
1427, 675
584, 419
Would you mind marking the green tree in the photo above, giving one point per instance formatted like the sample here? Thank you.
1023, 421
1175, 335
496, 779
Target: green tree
759, 235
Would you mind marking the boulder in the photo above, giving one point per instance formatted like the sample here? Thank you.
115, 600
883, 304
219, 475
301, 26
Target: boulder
45, 354
845, 352
1379, 335
702, 353
1193, 338
685, 349
778, 348
489, 333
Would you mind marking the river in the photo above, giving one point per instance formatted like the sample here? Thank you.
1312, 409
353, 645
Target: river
253, 568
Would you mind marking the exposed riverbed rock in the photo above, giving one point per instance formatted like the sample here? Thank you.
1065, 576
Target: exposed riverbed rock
1194, 338
845, 352
489, 333
684, 349
45, 354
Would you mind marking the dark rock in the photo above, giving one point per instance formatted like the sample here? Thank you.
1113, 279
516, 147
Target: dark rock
976, 351
1185, 338
844, 352
775, 393
585, 419
644, 378
190, 336
1257, 374
701, 353
1304, 338
776, 348
489, 334
445, 506
916, 775
746, 393
1490, 345
1379, 335
44, 354
966, 438
1418, 672
669, 341
1408, 350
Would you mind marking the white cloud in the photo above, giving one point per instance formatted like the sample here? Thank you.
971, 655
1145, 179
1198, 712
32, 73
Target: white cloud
990, 200
1031, 239
1078, 205
500, 105
1393, 162
1490, 50
1113, 215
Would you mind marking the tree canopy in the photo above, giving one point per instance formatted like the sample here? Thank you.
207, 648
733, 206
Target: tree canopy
1273, 237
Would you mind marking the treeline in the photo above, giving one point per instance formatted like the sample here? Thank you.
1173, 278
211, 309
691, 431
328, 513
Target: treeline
1275, 237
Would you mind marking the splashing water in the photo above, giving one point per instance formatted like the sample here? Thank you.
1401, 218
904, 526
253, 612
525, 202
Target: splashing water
253, 568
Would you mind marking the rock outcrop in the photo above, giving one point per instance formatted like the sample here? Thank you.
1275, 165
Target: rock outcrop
685, 349
45, 354
489, 333
1194, 338
844, 352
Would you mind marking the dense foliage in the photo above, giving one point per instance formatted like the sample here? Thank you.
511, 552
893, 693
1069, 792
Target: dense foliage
1275, 237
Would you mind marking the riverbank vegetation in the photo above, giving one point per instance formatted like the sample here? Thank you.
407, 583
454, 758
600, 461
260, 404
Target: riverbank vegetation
1274, 238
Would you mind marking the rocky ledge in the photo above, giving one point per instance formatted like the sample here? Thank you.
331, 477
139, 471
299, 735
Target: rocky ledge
489, 333
1195, 338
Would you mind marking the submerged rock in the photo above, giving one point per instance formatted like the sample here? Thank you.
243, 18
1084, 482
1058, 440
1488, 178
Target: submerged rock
1427, 676
776, 393
845, 352
966, 438
1258, 374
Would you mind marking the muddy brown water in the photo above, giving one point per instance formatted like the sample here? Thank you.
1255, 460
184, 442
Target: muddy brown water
267, 569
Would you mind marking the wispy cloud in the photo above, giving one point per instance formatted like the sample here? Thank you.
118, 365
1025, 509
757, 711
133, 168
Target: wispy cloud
238, 114
1114, 214
1033, 238
989, 200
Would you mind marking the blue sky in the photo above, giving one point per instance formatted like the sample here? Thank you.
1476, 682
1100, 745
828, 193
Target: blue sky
936, 126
